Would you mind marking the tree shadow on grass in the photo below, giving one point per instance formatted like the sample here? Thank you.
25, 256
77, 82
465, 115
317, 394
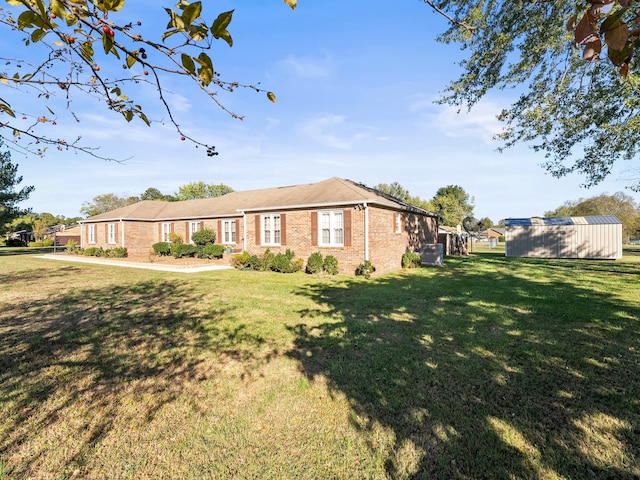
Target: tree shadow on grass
69, 363
484, 372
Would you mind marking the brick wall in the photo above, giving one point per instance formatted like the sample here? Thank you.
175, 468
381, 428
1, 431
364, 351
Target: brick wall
386, 245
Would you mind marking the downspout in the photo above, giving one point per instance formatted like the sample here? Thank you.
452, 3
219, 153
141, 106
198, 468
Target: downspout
366, 231
122, 232
244, 231
82, 235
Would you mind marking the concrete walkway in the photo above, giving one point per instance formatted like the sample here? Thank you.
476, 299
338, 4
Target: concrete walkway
126, 263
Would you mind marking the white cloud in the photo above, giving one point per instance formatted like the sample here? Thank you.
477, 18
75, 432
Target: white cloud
479, 123
308, 67
334, 131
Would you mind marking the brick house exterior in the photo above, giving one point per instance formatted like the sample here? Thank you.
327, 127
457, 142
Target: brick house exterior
336, 217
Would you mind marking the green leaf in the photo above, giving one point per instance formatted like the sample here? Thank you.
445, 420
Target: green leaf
131, 61
86, 50
206, 71
6, 108
168, 33
56, 6
206, 75
191, 12
42, 8
128, 115
25, 20
187, 63
37, 35
219, 27
175, 21
613, 20
144, 118
107, 42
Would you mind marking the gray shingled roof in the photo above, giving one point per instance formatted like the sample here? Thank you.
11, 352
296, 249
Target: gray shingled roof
592, 220
331, 192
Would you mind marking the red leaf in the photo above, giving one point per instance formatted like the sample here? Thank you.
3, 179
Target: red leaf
586, 30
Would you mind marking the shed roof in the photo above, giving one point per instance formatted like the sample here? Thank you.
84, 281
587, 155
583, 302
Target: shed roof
331, 192
559, 221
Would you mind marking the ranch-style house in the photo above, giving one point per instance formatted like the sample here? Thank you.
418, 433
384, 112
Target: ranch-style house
336, 217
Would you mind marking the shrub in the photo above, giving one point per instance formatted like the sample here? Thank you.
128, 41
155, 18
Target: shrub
203, 237
240, 260
14, 242
330, 265
266, 260
180, 250
411, 260
365, 269
93, 252
285, 263
162, 248
314, 263
117, 252
71, 245
47, 242
175, 238
210, 251
254, 263
34, 244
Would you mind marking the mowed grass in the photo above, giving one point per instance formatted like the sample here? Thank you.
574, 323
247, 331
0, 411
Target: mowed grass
488, 367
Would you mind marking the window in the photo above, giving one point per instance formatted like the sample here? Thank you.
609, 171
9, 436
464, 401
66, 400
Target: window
193, 228
92, 233
398, 223
229, 231
331, 228
111, 233
166, 230
271, 229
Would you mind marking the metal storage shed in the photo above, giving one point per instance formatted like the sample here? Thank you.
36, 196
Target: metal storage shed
597, 237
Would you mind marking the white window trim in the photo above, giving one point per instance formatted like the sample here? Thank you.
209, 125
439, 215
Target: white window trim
272, 230
193, 228
228, 232
398, 222
166, 230
112, 240
333, 228
91, 234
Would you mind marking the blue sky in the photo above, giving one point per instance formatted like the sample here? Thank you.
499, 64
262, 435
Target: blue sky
355, 83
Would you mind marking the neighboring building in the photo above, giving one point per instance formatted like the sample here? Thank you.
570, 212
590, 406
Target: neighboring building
337, 217
597, 237
61, 234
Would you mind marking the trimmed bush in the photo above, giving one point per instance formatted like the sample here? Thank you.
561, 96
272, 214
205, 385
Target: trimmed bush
175, 238
203, 237
162, 248
284, 263
93, 252
314, 263
365, 269
240, 260
330, 265
411, 260
181, 250
210, 251
117, 252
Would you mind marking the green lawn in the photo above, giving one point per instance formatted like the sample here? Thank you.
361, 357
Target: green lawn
488, 367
